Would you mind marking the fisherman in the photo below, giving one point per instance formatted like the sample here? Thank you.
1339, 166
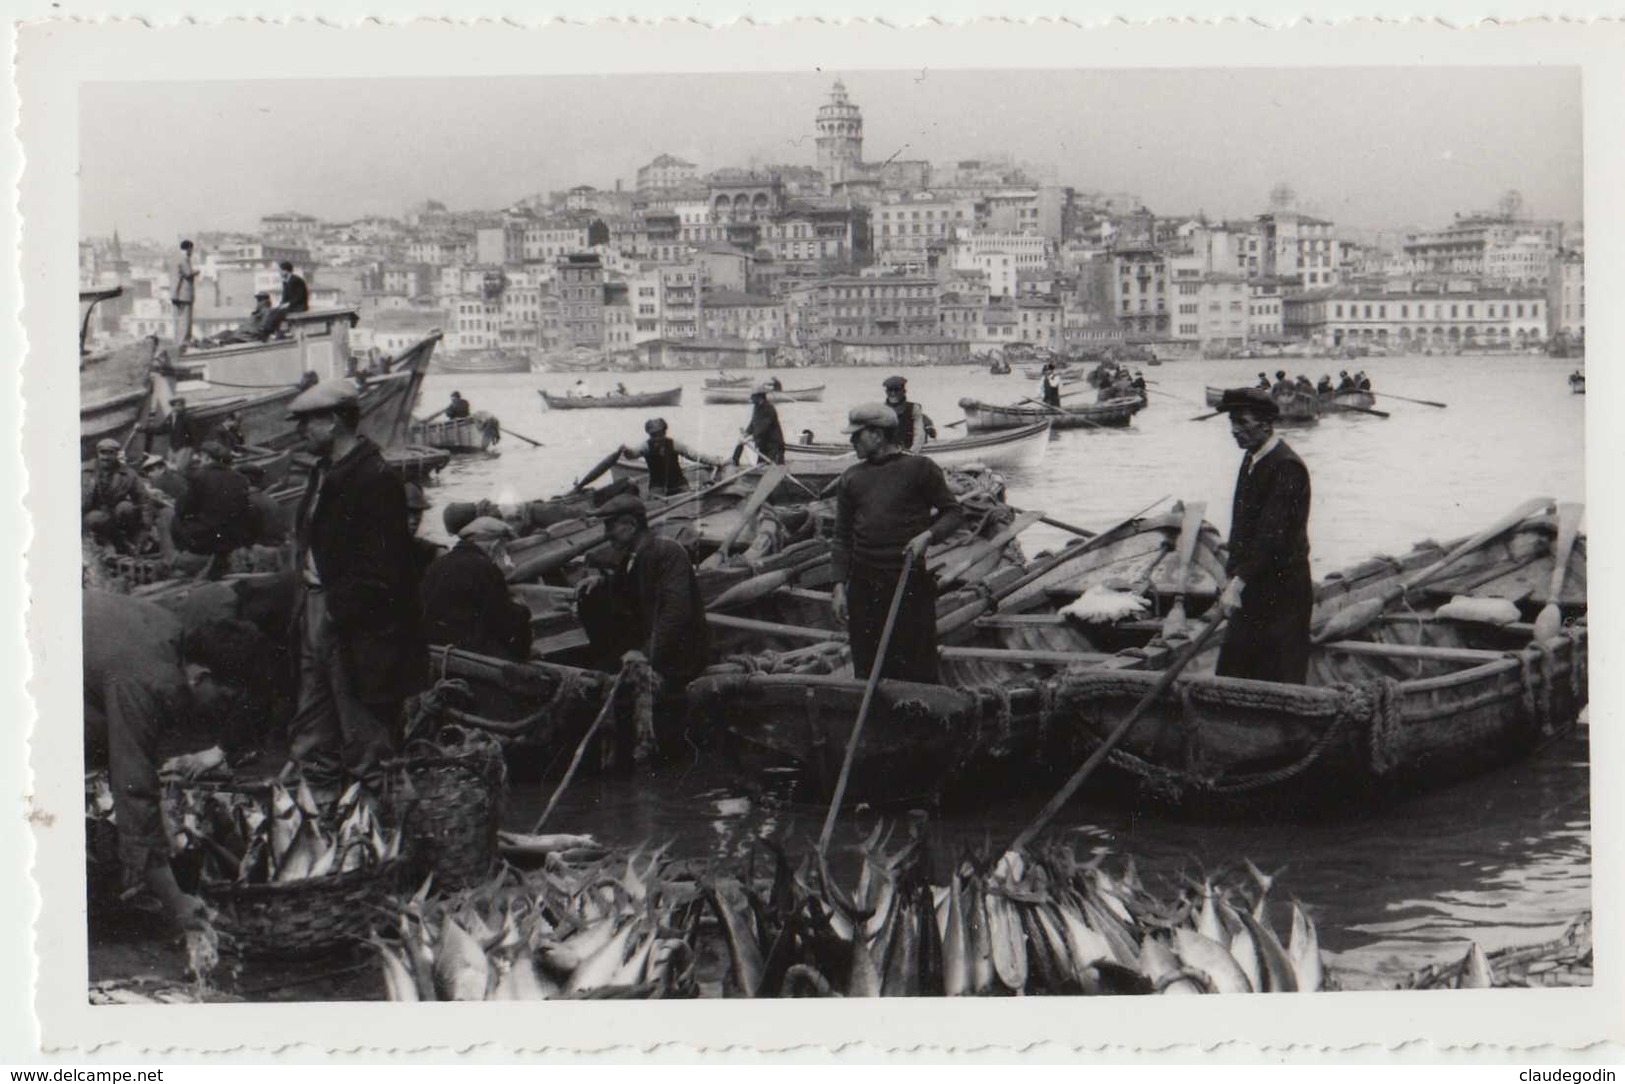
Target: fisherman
620, 387
1050, 384
1325, 385
889, 507
360, 651
164, 486
183, 295
1283, 386
1269, 595
458, 407
1263, 382
1345, 382
215, 516
578, 390
466, 603
229, 433
664, 458
295, 298
145, 677
914, 428
264, 513
1304, 386
763, 429
806, 436
1362, 381
649, 602
111, 497
1138, 383
424, 551
775, 384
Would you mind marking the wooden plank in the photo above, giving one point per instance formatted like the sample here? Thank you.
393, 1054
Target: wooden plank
1000, 654
1415, 651
563, 641
1019, 621
806, 593
747, 624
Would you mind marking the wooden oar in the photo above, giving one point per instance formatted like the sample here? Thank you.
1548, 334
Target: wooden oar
1205, 417
981, 550
1189, 529
1344, 623
765, 485
1549, 622
603, 465
956, 425
581, 750
1407, 399
1364, 410
510, 433
1058, 410
863, 708
1088, 767
759, 586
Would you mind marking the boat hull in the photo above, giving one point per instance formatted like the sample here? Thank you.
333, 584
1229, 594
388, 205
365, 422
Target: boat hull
984, 417
476, 433
670, 397
785, 395
476, 364
1296, 409
1347, 402
1013, 449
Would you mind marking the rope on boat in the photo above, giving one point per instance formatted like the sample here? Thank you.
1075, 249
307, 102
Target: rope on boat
1578, 676
997, 698
1386, 720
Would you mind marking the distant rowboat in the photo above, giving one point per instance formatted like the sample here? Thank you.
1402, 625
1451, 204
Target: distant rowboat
982, 417
814, 394
1296, 408
1012, 448
669, 397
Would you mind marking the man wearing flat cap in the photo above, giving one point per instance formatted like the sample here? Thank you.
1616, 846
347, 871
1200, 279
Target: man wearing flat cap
215, 515
466, 603
664, 456
763, 429
360, 649
889, 507
111, 497
1269, 596
914, 428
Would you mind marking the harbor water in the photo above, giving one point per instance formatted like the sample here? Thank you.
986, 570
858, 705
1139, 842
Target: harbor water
1502, 859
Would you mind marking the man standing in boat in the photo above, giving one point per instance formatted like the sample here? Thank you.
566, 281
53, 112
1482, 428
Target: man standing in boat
914, 428
763, 429
664, 458
1269, 596
184, 294
360, 650
889, 507
1051, 385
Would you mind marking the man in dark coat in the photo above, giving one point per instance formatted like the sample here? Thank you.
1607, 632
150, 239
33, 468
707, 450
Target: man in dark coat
889, 508
466, 603
763, 430
147, 677
215, 515
295, 298
1269, 596
424, 551
360, 649
458, 407
914, 427
111, 497
664, 457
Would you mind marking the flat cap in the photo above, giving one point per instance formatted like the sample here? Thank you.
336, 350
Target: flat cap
214, 449
459, 514
764, 387
415, 499
486, 527
325, 396
870, 416
1254, 399
624, 505
894, 382
150, 461
654, 425
108, 444
262, 296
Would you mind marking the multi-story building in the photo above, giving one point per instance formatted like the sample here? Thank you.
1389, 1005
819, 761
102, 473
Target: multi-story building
289, 227
520, 324
907, 227
550, 240
1566, 295
959, 314
1040, 323
681, 290
476, 323
1461, 247
840, 137
1027, 251
732, 314
726, 267
1138, 291
1299, 249
1223, 319
1264, 312
620, 327
581, 300
1410, 316
1526, 260
861, 307
666, 172
736, 195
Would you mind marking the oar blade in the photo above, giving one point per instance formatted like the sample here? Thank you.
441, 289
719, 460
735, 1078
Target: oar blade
1348, 620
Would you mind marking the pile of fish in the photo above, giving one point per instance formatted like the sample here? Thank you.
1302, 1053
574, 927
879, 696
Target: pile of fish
1039, 923
239, 837
612, 929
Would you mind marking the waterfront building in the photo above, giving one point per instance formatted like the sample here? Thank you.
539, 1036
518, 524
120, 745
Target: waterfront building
476, 323
1264, 311
1526, 260
1419, 317
1566, 295
1461, 247
581, 299
1137, 290
1299, 249
854, 307
896, 352
1040, 323
732, 314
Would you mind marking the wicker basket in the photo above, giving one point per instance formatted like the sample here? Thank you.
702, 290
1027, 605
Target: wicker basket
299, 917
449, 802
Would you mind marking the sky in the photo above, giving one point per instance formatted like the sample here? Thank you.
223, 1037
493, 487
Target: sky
1371, 148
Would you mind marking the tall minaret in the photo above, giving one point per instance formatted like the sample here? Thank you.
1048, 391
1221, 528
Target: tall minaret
840, 136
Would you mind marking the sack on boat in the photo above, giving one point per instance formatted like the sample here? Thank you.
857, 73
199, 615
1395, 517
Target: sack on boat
1101, 605
1482, 611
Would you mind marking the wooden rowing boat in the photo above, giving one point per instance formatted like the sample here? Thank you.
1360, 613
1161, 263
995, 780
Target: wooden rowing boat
479, 432
982, 417
1414, 699
1010, 449
1343, 402
814, 394
669, 397
1297, 408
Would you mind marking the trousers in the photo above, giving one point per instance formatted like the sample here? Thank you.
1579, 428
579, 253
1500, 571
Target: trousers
912, 654
1268, 638
334, 732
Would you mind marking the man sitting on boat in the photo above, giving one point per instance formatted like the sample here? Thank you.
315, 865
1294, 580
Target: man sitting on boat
465, 596
1282, 386
1325, 385
889, 507
763, 430
578, 390
457, 408
1263, 382
1269, 596
1345, 382
664, 458
914, 427
216, 515
806, 436
1362, 381
229, 433
111, 498
295, 298
1138, 384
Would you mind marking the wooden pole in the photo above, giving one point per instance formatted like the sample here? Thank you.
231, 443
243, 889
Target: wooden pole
863, 708
1549, 622
581, 751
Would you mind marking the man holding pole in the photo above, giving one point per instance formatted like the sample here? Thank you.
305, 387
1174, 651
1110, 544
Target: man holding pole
889, 508
1269, 596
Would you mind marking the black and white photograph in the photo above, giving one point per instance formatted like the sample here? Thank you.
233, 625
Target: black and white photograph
893, 530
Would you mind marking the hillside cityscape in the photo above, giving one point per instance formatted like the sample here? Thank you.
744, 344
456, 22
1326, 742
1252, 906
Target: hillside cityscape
852, 262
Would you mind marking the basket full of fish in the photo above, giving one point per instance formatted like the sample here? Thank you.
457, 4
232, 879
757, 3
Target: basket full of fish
286, 875
446, 793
